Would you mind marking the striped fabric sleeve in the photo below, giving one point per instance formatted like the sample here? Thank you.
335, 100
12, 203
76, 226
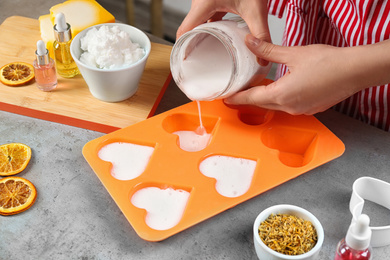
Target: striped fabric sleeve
276, 7
341, 23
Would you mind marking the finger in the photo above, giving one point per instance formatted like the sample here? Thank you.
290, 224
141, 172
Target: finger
258, 26
256, 18
217, 16
266, 50
197, 15
259, 96
255, 14
262, 35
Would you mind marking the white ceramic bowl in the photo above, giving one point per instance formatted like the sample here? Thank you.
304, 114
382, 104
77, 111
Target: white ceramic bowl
113, 85
265, 253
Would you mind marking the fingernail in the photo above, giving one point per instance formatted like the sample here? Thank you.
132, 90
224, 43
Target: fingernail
262, 62
252, 40
227, 101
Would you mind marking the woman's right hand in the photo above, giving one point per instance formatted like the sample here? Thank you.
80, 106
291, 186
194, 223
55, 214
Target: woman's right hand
254, 12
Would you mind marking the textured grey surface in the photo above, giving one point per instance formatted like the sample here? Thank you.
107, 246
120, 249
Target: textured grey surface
74, 217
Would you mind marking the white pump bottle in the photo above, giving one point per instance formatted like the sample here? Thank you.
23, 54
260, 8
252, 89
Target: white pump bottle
356, 244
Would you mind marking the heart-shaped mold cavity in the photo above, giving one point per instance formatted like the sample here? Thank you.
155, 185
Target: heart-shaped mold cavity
165, 206
192, 138
296, 146
128, 160
233, 175
252, 115
193, 141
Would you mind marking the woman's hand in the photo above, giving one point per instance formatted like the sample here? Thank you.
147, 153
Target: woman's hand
318, 77
254, 12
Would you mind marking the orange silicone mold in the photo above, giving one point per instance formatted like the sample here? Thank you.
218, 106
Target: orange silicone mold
283, 146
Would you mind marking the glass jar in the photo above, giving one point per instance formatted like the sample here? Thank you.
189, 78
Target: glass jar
212, 61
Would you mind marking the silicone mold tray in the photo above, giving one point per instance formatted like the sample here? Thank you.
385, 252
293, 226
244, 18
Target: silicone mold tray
282, 145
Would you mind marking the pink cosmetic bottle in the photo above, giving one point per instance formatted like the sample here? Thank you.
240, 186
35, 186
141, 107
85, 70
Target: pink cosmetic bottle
356, 245
44, 68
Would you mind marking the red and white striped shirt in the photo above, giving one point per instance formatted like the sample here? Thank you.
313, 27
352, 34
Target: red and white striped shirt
341, 23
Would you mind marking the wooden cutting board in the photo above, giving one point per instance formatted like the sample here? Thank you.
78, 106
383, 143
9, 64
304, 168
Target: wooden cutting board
71, 102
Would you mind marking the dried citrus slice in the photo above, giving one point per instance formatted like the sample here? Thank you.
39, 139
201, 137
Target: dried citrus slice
16, 195
14, 158
16, 74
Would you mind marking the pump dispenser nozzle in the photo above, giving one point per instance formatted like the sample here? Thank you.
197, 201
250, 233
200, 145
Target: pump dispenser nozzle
356, 245
359, 233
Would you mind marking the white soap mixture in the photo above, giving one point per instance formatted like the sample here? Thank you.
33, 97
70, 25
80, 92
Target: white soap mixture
165, 207
212, 61
206, 70
191, 141
128, 160
109, 48
233, 175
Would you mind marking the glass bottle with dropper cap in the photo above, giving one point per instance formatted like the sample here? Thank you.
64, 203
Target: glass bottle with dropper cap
66, 66
44, 68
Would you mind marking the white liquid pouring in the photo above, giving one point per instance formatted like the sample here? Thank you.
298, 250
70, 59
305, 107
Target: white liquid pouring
193, 141
206, 73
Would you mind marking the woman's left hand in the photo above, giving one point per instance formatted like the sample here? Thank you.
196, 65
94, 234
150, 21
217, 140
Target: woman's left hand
318, 77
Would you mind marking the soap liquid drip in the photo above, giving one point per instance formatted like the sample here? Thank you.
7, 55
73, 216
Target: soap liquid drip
193, 141
201, 130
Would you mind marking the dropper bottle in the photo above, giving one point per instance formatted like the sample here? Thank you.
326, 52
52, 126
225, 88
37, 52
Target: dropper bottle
44, 68
66, 66
356, 245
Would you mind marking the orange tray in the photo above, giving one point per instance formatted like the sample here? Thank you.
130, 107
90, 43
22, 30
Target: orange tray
284, 147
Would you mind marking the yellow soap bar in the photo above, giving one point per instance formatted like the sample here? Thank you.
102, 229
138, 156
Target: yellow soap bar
47, 34
81, 14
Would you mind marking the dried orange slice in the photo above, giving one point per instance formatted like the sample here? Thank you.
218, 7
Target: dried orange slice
16, 195
16, 74
14, 158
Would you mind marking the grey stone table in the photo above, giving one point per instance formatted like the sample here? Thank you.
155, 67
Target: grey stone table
74, 217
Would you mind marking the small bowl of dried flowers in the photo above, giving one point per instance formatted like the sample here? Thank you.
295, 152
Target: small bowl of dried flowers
287, 232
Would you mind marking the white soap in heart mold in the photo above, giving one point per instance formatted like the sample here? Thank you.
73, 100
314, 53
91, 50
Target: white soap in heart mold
194, 141
233, 175
191, 141
128, 160
165, 207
